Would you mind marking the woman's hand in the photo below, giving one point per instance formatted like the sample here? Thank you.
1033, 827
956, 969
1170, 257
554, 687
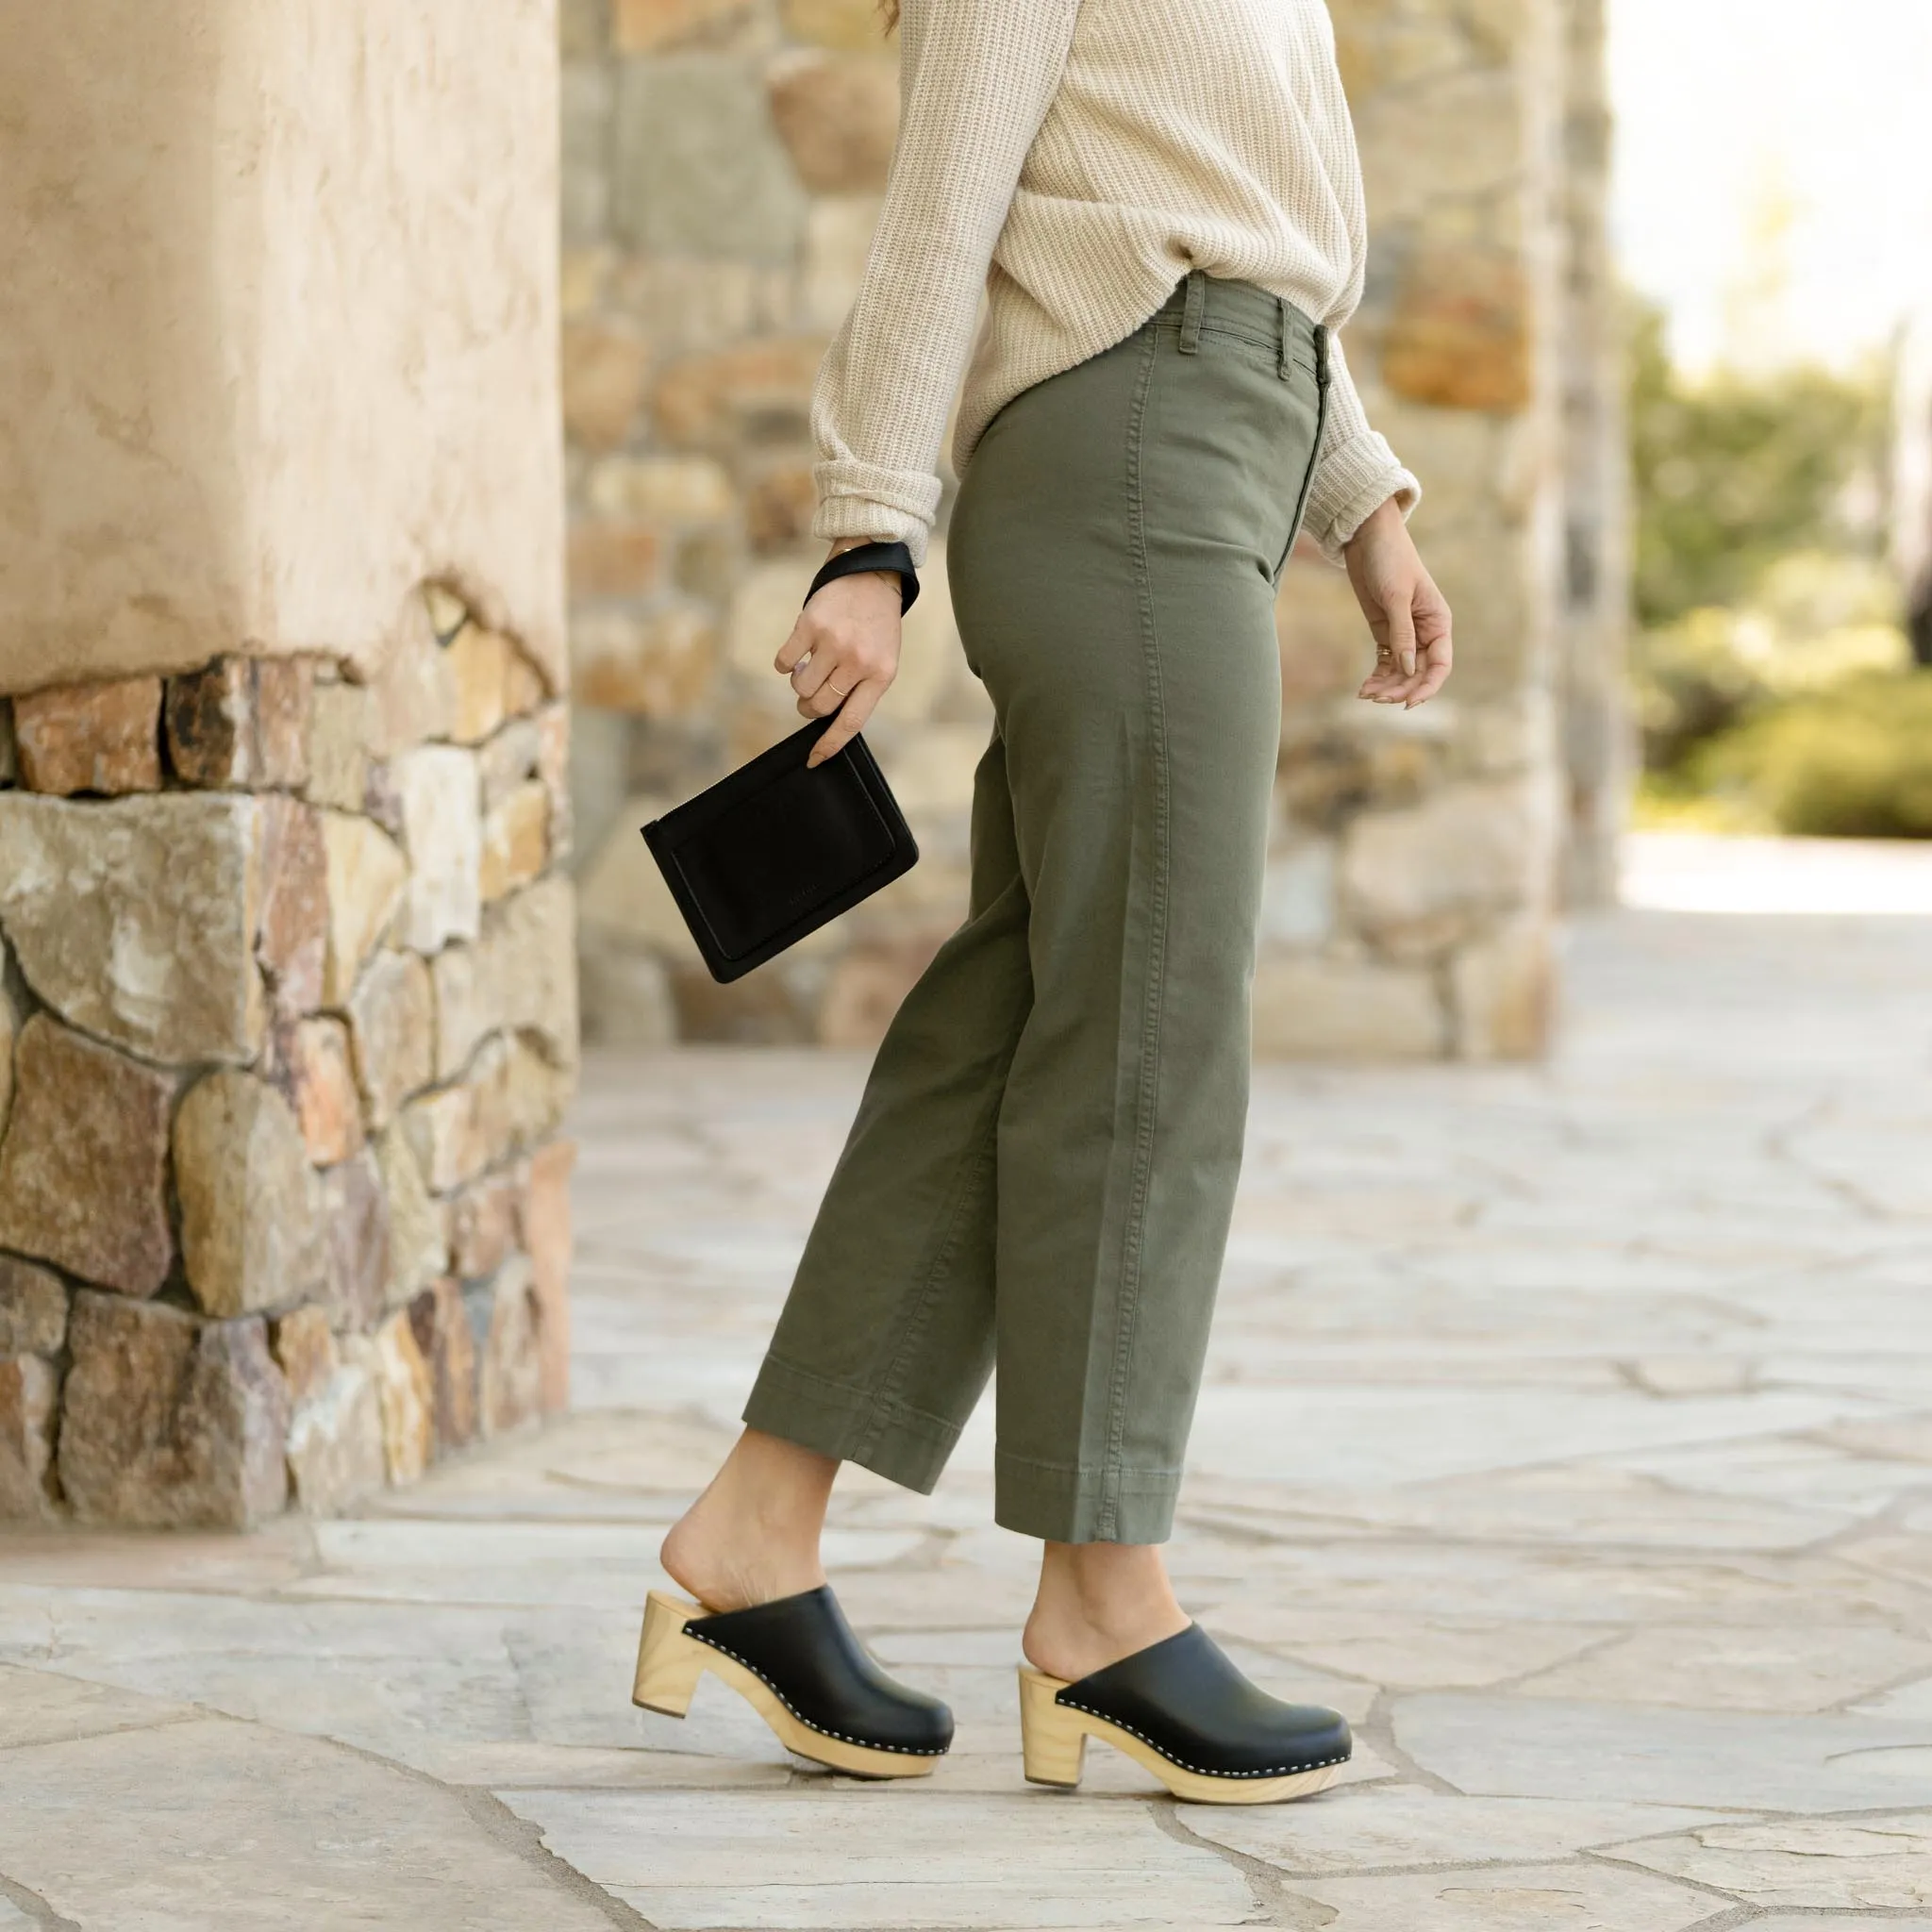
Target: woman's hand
844, 652
1414, 650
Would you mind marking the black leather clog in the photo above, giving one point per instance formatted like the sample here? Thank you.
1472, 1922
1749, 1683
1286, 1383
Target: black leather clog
798, 1663
1181, 1708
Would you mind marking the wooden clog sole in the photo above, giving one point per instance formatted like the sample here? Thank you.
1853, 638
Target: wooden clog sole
1054, 1740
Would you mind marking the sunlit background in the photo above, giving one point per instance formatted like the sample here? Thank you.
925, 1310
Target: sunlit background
1773, 214
1775, 171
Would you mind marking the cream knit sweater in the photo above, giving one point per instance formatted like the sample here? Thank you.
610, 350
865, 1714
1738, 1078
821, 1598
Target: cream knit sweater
1076, 158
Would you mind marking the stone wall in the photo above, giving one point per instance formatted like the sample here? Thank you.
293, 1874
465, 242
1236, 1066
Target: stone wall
287, 1002
723, 164
287, 1030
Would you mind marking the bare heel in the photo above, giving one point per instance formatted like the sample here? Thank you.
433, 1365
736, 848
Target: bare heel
669, 1662
1053, 1740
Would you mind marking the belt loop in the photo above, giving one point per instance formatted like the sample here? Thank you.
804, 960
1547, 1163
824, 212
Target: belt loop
1190, 315
1283, 333
1322, 371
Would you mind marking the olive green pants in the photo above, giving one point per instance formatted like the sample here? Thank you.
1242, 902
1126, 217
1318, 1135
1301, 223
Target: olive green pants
1043, 1165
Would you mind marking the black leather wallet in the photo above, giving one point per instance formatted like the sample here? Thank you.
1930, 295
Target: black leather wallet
773, 851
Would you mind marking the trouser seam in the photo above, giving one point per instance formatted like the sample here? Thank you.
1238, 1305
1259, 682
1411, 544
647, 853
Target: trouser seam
1140, 1171
971, 1173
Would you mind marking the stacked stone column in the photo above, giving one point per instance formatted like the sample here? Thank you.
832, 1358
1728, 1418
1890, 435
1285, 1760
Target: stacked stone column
287, 1006
290, 1003
1409, 910
1598, 729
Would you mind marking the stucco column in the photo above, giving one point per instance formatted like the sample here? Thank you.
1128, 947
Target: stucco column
287, 1018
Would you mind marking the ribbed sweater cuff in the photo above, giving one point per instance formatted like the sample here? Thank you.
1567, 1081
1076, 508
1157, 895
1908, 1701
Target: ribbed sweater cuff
1353, 482
861, 500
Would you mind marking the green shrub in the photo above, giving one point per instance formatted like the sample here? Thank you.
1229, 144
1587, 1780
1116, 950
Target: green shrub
1692, 684
1774, 682
1851, 761
1813, 620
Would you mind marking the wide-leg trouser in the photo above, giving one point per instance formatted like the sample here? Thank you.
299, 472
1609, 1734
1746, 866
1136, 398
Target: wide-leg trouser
1043, 1165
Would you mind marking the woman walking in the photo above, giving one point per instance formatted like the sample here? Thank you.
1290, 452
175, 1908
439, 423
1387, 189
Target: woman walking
1163, 203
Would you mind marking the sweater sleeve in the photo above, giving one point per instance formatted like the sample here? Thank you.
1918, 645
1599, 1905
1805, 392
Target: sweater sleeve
977, 79
1357, 472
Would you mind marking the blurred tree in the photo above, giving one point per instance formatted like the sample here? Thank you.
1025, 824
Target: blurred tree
1734, 472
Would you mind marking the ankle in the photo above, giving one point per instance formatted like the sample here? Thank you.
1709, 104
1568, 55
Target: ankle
721, 1573
1098, 1604
753, 1535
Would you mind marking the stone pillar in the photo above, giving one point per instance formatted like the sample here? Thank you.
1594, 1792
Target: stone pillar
722, 173
1409, 910
287, 977
1598, 730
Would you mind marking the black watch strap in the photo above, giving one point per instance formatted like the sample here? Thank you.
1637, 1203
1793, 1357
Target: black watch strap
869, 556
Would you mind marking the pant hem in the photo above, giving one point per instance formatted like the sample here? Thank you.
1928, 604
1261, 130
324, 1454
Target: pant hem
904, 1445
1069, 1505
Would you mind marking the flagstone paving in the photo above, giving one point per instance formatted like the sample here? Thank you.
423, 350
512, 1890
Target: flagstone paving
1570, 1428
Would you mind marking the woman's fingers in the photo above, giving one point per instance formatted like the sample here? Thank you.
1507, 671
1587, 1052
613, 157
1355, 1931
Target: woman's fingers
1402, 631
1436, 678
810, 659
833, 688
820, 684
846, 641
1438, 660
798, 645
1408, 690
1388, 678
1435, 629
850, 721
1420, 615
811, 681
